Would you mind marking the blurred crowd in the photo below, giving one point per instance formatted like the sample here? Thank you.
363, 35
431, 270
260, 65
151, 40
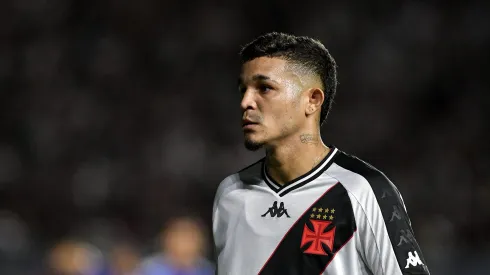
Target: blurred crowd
120, 118
179, 251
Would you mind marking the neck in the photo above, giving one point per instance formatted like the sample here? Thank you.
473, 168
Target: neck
295, 156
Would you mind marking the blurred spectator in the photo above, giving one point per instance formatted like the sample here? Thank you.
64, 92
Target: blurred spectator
123, 260
71, 257
183, 245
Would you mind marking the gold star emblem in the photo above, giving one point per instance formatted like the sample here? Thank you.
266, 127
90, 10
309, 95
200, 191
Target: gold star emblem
318, 216
333, 211
312, 215
314, 209
320, 210
331, 217
326, 210
324, 217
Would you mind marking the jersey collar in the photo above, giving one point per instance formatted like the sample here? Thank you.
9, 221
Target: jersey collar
282, 190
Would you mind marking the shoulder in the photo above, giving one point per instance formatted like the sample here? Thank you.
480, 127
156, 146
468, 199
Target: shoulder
355, 165
381, 213
362, 179
248, 175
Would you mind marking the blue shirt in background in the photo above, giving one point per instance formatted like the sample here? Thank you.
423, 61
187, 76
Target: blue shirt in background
158, 265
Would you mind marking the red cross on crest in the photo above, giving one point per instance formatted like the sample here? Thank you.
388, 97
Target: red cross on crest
317, 237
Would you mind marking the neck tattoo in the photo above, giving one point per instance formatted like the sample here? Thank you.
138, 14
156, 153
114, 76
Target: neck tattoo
309, 139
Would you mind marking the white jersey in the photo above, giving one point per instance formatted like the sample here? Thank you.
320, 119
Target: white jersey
344, 217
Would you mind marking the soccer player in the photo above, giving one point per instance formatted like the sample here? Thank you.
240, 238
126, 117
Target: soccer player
305, 208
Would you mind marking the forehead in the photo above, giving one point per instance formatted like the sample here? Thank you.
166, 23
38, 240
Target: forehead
272, 67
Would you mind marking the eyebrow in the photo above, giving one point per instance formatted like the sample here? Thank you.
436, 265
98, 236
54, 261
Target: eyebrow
257, 77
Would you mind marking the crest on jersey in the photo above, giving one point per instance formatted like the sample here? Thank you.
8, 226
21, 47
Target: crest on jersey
321, 234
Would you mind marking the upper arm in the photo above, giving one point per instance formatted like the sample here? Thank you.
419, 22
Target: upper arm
225, 184
219, 224
387, 238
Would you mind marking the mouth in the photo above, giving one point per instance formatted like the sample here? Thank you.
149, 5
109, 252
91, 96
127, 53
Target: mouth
247, 124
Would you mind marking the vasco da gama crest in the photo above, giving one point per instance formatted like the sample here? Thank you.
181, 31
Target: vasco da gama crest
319, 232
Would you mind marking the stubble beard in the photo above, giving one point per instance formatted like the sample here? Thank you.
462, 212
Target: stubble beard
252, 145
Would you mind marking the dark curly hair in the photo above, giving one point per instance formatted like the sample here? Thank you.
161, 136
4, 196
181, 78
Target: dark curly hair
299, 50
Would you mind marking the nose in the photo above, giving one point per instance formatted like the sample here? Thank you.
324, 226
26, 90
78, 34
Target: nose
248, 101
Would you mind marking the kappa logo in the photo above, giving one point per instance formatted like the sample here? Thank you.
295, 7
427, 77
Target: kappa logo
275, 211
405, 237
396, 213
413, 259
386, 193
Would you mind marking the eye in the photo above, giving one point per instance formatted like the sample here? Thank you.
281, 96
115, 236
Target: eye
264, 88
242, 89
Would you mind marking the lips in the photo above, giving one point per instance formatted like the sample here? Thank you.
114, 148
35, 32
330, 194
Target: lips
247, 122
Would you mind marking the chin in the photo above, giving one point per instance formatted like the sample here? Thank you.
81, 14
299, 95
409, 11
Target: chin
253, 145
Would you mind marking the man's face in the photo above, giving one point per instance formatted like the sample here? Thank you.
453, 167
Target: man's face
272, 106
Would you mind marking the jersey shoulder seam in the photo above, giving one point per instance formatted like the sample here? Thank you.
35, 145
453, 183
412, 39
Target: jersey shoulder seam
249, 166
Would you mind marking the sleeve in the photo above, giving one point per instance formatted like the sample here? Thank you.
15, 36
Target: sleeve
218, 220
387, 240
215, 223
215, 226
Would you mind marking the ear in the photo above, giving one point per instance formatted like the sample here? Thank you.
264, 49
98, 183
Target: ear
315, 101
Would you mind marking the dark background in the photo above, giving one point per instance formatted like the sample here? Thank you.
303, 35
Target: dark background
117, 115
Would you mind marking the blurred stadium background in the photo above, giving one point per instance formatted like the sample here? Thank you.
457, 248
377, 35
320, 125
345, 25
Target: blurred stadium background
117, 116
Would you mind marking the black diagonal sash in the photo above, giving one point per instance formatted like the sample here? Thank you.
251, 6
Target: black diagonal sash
304, 249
